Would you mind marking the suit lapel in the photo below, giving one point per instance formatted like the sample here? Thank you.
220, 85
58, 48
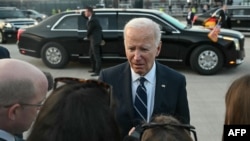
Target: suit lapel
160, 87
125, 80
18, 139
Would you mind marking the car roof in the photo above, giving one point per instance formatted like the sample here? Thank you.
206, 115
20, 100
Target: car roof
238, 7
8, 8
122, 10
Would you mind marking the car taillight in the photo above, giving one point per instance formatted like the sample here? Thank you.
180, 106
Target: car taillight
19, 32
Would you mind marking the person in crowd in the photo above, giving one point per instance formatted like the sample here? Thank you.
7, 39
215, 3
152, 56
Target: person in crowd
167, 128
76, 111
162, 128
193, 9
225, 20
237, 102
23, 88
94, 35
142, 87
190, 18
4, 52
204, 8
170, 9
50, 79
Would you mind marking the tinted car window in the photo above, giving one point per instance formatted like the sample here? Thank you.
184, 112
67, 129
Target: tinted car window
108, 22
247, 12
122, 20
82, 23
11, 14
173, 21
238, 12
69, 22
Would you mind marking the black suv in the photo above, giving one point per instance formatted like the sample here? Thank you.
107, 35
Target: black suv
11, 19
59, 39
239, 17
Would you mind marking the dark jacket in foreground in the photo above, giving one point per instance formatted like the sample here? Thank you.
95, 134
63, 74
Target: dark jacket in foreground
170, 94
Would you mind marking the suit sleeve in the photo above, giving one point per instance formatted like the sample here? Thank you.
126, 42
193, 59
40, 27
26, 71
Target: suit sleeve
91, 27
183, 108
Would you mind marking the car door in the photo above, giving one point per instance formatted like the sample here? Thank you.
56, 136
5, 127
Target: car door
108, 21
239, 21
170, 39
67, 30
245, 20
123, 18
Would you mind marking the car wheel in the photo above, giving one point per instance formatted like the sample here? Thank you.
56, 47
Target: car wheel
2, 38
54, 55
38, 19
206, 60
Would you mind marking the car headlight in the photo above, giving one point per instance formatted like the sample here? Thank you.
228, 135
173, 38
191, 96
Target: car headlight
35, 22
43, 16
235, 40
8, 25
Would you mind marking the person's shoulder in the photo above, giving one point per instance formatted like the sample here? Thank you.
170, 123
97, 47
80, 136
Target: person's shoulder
113, 73
4, 52
117, 68
169, 71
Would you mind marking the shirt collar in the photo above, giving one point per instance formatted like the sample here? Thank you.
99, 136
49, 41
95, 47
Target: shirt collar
149, 76
6, 136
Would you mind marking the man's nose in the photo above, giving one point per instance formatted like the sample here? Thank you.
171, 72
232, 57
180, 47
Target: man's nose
137, 55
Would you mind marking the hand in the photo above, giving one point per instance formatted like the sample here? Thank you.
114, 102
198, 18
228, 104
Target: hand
131, 131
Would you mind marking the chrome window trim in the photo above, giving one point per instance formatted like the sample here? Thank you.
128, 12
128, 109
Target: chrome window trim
60, 19
109, 13
163, 21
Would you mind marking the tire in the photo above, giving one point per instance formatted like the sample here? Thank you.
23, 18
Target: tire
54, 55
39, 19
206, 60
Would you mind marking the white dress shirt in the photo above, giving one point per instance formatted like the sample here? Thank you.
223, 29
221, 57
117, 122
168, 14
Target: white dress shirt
150, 87
6, 136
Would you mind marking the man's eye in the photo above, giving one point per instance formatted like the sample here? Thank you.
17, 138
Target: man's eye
144, 49
131, 49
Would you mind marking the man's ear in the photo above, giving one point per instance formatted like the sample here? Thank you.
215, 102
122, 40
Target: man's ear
159, 48
13, 111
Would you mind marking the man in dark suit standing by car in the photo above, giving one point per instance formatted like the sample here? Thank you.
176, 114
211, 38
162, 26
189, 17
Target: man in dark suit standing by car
142, 87
190, 18
224, 18
94, 35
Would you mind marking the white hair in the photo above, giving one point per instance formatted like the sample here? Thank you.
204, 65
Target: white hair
145, 23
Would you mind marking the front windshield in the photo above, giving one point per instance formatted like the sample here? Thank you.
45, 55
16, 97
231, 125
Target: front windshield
11, 14
173, 20
35, 12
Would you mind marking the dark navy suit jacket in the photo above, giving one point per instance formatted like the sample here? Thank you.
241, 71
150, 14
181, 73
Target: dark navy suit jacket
94, 30
169, 100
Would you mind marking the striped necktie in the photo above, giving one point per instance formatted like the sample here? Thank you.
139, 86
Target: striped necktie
140, 104
18, 139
